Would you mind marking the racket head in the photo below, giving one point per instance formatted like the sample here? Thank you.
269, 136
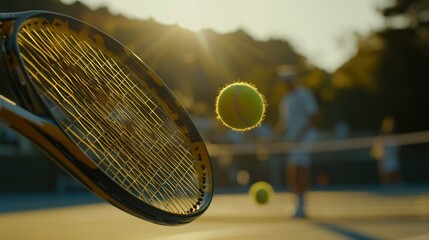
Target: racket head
129, 140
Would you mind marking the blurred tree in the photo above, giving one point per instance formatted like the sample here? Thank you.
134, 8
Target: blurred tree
195, 65
403, 68
389, 73
414, 12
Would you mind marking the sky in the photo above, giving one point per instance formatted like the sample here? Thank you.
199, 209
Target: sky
321, 30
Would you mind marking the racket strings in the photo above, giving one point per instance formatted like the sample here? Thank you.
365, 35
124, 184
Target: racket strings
155, 144
104, 109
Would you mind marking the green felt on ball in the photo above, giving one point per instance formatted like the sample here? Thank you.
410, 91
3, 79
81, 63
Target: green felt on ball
261, 192
240, 106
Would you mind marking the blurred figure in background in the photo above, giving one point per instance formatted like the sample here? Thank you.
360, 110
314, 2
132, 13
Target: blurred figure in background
298, 111
386, 151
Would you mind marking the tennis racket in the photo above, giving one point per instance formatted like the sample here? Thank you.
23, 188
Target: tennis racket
98, 111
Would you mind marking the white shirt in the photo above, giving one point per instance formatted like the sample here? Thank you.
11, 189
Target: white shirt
296, 108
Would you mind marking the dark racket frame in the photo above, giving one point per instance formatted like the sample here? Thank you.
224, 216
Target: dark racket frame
99, 112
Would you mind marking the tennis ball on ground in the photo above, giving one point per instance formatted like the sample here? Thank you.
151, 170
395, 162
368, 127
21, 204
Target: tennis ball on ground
240, 106
261, 192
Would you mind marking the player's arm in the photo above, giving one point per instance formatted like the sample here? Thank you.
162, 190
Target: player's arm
280, 128
312, 122
313, 113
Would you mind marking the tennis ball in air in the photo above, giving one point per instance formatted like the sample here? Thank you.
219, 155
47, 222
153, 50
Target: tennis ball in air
261, 192
240, 106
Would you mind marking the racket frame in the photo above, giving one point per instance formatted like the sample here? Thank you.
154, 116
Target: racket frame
32, 119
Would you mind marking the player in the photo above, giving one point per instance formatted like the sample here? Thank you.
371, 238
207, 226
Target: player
298, 111
386, 151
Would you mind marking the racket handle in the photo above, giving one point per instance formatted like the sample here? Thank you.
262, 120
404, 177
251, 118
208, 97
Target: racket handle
11, 113
42, 132
6, 106
30, 125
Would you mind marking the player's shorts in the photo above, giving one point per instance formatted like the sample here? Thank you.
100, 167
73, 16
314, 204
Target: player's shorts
301, 157
390, 165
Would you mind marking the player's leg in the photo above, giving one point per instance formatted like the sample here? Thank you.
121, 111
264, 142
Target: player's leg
302, 185
299, 179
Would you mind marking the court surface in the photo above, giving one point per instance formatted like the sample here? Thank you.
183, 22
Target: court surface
332, 215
